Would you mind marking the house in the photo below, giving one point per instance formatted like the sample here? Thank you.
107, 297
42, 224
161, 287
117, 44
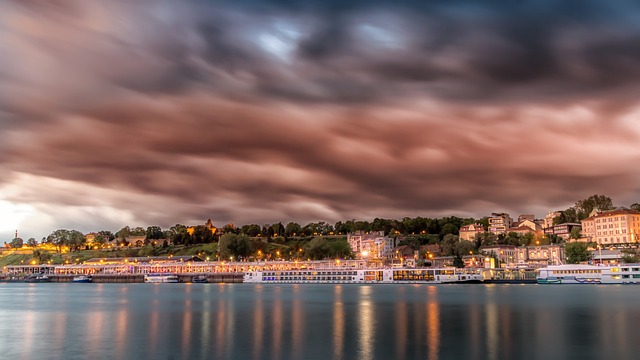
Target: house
469, 232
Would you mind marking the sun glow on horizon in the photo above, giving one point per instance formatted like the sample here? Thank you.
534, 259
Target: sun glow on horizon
13, 215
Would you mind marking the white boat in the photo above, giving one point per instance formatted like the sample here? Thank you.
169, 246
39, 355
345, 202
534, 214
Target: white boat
365, 276
82, 279
161, 278
590, 274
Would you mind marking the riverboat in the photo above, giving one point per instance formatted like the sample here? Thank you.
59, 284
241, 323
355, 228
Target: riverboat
82, 279
37, 278
365, 276
200, 279
590, 274
161, 278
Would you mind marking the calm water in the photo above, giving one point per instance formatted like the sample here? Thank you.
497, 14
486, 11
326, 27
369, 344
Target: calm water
246, 321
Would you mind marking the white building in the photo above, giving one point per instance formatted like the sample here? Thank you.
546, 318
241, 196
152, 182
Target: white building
372, 245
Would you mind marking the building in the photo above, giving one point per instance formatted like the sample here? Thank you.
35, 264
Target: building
505, 254
499, 223
521, 230
540, 256
372, 245
531, 224
563, 230
618, 226
526, 217
548, 220
469, 232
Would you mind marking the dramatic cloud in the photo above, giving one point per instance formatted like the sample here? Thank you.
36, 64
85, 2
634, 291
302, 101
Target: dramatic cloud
151, 112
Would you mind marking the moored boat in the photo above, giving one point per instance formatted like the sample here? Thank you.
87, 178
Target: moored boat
161, 278
365, 276
590, 274
37, 278
200, 279
82, 279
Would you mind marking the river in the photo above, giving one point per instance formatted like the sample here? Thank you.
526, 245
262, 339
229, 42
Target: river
249, 321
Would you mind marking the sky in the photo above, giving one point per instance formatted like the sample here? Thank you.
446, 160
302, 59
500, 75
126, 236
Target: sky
141, 113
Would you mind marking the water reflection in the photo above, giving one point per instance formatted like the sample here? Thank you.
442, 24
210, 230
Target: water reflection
401, 317
366, 323
317, 322
338, 323
258, 323
276, 326
297, 322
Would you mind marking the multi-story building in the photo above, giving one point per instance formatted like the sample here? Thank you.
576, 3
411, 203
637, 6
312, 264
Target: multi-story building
505, 254
618, 226
499, 223
372, 245
548, 220
540, 256
563, 230
469, 232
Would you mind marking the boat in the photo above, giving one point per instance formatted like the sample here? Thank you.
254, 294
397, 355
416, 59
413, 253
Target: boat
365, 276
200, 279
37, 278
161, 278
82, 279
589, 274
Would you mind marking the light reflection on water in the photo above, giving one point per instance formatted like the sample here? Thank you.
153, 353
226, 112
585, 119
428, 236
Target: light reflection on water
244, 321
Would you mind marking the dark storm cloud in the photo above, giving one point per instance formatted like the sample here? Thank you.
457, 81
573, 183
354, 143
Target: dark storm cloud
256, 111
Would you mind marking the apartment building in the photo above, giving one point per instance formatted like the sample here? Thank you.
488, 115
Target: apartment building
618, 226
499, 223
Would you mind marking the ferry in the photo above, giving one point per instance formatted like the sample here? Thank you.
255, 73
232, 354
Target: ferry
364, 276
82, 279
589, 274
161, 278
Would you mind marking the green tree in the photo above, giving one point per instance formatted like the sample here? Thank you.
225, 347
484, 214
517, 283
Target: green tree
449, 244
635, 206
138, 231
600, 202
62, 237
251, 230
577, 252
16, 243
292, 229
576, 233
154, 233
32, 242
237, 246
123, 233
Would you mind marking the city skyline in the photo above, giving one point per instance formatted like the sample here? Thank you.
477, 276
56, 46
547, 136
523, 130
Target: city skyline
157, 112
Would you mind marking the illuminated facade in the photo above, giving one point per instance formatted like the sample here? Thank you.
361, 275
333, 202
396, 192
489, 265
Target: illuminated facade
619, 226
372, 245
469, 232
499, 223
